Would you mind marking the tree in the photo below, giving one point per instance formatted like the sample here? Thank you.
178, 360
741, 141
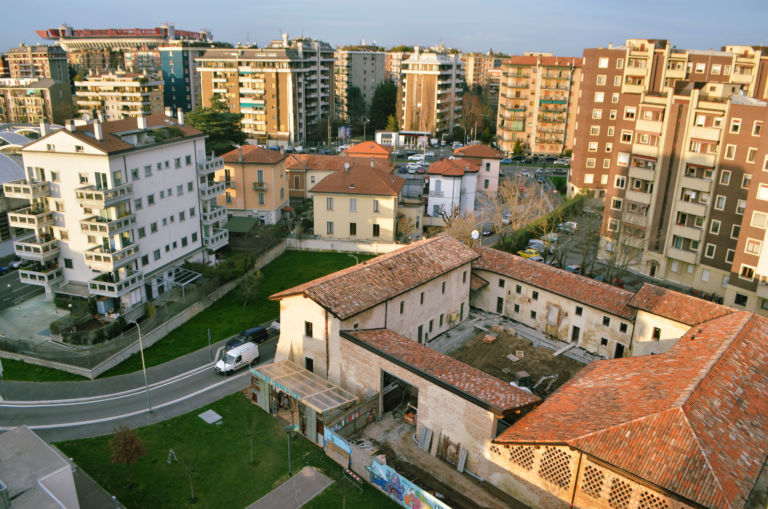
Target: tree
516, 205
405, 227
355, 106
462, 226
383, 104
126, 448
250, 286
623, 246
518, 150
391, 123
222, 127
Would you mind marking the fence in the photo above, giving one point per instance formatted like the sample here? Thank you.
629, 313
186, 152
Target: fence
343, 246
171, 310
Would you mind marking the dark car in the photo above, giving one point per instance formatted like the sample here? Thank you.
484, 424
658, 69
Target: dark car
4, 270
255, 334
506, 160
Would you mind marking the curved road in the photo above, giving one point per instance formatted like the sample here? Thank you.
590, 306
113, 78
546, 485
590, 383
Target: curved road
72, 410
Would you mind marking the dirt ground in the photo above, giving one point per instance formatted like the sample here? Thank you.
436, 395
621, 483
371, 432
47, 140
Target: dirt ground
538, 362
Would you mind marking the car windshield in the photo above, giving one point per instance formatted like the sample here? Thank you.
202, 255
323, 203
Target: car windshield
230, 359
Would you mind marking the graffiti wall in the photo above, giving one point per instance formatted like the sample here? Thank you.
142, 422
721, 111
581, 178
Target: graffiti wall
401, 489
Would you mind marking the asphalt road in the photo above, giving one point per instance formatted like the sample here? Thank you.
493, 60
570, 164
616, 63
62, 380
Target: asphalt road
97, 408
13, 291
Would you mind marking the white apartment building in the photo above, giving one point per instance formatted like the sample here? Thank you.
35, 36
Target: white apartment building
119, 95
452, 184
116, 207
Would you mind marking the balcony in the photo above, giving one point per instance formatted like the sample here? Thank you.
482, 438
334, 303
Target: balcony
102, 285
762, 290
211, 189
638, 197
107, 227
259, 186
41, 276
741, 79
645, 150
648, 126
92, 197
107, 260
210, 165
43, 250
632, 89
635, 219
689, 207
636, 71
706, 133
696, 184
30, 217
24, 190
641, 173
687, 232
436, 194
675, 73
700, 159
219, 239
682, 255
213, 216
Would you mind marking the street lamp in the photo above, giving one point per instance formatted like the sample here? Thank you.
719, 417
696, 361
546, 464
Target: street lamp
365, 121
143, 366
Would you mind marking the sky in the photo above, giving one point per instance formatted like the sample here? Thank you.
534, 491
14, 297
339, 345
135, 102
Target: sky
510, 26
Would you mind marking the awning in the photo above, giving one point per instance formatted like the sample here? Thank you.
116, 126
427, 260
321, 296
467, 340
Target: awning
287, 208
308, 388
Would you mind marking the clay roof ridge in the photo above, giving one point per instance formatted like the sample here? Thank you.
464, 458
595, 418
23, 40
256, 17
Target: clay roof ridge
704, 455
571, 441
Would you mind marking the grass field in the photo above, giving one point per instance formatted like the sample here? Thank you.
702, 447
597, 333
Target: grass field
225, 317
218, 459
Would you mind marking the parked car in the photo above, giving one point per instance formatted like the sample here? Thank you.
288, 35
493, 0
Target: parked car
16, 264
528, 253
416, 157
414, 165
568, 227
241, 356
536, 258
537, 244
576, 269
457, 144
549, 237
506, 160
253, 335
4, 270
554, 263
429, 153
487, 229
421, 170
402, 169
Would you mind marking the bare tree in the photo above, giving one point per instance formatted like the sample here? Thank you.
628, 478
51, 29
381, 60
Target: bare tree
462, 227
623, 246
405, 227
450, 215
250, 286
516, 205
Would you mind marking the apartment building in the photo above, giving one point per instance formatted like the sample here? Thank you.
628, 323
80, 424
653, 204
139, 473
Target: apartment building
673, 140
109, 49
429, 98
181, 81
31, 100
477, 67
36, 62
489, 160
256, 182
393, 64
537, 103
452, 186
119, 95
115, 208
359, 67
283, 91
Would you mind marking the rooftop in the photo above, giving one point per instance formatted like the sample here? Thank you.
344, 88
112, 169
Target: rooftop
360, 179
254, 155
479, 151
582, 289
676, 306
473, 384
369, 148
692, 421
353, 290
546, 61
333, 163
453, 167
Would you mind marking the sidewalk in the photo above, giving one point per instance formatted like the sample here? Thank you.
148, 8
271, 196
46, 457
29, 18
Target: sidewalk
295, 492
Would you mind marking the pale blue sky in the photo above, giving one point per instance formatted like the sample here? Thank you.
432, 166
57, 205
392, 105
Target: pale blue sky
563, 27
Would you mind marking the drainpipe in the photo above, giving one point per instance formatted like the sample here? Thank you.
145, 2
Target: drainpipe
576, 479
327, 358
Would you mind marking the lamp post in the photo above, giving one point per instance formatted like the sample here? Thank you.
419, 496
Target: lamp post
288, 430
143, 365
365, 121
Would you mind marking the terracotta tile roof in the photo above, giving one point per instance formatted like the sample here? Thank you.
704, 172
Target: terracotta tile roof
352, 290
360, 179
254, 155
369, 148
545, 61
675, 305
111, 142
592, 293
499, 396
333, 163
479, 151
693, 421
453, 167
476, 282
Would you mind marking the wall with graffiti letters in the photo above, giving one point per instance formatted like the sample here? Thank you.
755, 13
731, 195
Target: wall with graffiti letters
401, 489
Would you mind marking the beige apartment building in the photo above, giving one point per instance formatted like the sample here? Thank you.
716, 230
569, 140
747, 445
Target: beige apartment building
674, 141
31, 100
361, 67
256, 183
429, 98
393, 64
40, 61
537, 103
283, 90
119, 95
477, 67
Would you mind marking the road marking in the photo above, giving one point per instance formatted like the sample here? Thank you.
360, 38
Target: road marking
130, 414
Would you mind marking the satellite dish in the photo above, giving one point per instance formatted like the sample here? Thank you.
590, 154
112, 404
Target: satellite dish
475, 234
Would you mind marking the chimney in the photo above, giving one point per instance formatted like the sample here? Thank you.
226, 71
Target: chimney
179, 116
43, 128
371, 162
285, 40
141, 121
169, 112
69, 125
239, 153
100, 115
98, 132
346, 167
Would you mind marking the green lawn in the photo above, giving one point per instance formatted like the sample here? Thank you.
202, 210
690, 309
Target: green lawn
20, 370
227, 316
219, 458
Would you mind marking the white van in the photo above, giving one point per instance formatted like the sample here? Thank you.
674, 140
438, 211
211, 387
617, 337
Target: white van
240, 356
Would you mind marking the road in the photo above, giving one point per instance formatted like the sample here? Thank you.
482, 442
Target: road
13, 291
73, 410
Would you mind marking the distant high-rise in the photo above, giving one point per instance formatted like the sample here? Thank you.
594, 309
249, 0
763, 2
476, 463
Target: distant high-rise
181, 81
119, 95
359, 67
27, 62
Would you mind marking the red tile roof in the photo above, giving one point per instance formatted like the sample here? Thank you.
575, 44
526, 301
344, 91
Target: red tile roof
353, 290
453, 167
693, 421
254, 155
333, 163
476, 282
676, 306
369, 148
499, 396
545, 61
360, 179
479, 151
592, 293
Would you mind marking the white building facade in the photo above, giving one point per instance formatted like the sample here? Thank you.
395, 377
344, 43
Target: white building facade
452, 184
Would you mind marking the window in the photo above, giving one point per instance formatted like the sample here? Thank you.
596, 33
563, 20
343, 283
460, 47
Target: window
599, 97
623, 327
603, 341
533, 314
431, 325
589, 177
729, 256
182, 216
656, 333
168, 164
142, 232
376, 230
730, 152
150, 199
518, 289
746, 180
607, 161
135, 174
612, 115
619, 182
329, 227
329, 204
375, 205
165, 221
443, 289
177, 162
517, 308
735, 230
740, 300
700, 67
352, 229
619, 63
630, 112
740, 206
137, 204
464, 277
261, 198
67, 263
308, 329
751, 153
421, 298
579, 310
156, 254
735, 125
145, 260
616, 204
402, 307
594, 130
715, 69
190, 186
184, 241
606, 321
191, 211
610, 130
710, 250
753, 246
153, 227
353, 204
614, 100
725, 177
613, 225
714, 227
535, 295
720, 202
626, 136
617, 80
597, 113
590, 163
179, 190
757, 128
592, 146
501, 282
194, 237
759, 220
600, 80
148, 170
602, 63
159, 166
188, 160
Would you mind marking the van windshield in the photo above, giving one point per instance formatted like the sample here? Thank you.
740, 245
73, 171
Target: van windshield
230, 359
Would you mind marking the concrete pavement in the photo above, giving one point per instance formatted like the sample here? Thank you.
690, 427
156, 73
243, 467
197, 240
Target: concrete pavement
295, 492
